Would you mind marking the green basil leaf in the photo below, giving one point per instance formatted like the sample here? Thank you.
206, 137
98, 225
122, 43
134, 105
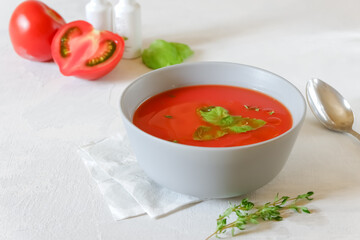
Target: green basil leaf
228, 121
183, 50
247, 124
215, 115
162, 53
223, 123
204, 133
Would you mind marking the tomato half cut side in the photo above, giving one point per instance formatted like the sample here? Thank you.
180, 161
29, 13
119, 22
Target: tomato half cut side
84, 52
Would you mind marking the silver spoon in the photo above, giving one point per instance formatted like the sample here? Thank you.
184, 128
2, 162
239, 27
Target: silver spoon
330, 107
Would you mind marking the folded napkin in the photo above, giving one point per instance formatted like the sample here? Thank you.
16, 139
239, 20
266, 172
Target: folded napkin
126, 188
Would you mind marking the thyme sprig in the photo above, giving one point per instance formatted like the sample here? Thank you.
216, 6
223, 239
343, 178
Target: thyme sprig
247, 212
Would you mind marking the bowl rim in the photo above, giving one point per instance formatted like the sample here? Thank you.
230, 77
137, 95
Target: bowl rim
191, 147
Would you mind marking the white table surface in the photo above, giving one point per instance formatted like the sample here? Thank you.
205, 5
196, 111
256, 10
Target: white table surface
47, 193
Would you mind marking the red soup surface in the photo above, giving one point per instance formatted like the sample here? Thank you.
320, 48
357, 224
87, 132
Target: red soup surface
213, 116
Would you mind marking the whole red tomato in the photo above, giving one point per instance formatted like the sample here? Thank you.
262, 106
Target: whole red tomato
82, 51
32, 28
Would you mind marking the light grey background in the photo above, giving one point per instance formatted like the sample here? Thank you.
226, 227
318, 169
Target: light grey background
45, 189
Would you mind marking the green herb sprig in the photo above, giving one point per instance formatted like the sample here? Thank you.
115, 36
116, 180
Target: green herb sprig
247, 212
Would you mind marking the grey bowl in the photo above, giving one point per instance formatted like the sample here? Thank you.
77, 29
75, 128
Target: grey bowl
203, 171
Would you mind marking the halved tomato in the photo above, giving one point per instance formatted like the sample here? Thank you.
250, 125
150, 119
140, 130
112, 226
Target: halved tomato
82, 51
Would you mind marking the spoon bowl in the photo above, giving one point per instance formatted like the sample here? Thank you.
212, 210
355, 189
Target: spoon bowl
330, 107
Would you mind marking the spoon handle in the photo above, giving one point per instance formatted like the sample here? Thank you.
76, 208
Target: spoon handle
355, 134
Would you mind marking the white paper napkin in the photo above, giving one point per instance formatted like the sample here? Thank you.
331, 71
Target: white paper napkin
126, 188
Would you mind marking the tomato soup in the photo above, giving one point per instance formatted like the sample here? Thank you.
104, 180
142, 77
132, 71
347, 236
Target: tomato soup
213, 116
